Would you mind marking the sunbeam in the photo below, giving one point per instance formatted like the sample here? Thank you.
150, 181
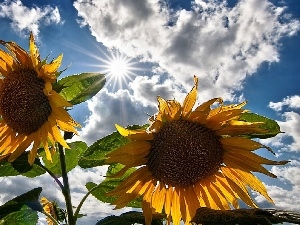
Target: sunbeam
119, 69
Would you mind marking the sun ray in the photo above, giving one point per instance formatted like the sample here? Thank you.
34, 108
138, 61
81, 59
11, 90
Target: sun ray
119, 68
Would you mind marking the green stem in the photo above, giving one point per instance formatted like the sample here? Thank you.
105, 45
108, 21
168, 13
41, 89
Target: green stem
82, 201
52, 175
66, 189
51, 218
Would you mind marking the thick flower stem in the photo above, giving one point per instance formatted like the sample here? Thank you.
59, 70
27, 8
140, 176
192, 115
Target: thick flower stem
66, 189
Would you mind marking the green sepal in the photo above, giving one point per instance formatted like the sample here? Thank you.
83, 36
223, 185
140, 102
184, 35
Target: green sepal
79, 88
71, 155
95, 154
22, 205
110, 184
130, 218
271, 126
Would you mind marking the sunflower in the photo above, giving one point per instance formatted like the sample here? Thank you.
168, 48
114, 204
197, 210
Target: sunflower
189, 159
31, 113
50, 209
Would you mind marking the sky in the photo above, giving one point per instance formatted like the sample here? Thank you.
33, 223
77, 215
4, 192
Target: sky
239, 49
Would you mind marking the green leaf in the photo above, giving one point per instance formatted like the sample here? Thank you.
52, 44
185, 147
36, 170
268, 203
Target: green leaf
110, 184
130, 218
72, 156
21, 167
25, 216
95, 154
270, 125
80, 87
29, 199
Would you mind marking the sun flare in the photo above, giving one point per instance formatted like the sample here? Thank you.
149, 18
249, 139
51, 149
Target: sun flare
118, 68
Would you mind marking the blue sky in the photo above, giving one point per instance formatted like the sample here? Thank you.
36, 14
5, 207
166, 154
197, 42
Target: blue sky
240, 50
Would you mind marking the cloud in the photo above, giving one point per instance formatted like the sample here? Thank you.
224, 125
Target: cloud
219, 44
108, 109
290, 124
14, 186
292, 102
27, 19
286, 198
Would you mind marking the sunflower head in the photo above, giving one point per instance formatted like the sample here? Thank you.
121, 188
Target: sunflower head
51, 209
191, 158
30, 111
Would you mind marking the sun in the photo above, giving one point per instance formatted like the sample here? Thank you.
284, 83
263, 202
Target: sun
119, 68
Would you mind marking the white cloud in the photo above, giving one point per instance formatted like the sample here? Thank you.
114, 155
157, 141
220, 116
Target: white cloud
27, 19
286, 198
292, 102
14, 186
221, 45
108, 109
290, 124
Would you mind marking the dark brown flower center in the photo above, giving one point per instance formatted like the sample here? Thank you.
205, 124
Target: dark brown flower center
23, 104
183, 153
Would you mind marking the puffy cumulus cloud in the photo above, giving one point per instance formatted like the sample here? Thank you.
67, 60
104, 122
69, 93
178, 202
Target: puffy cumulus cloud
287, 197
146, 89
25, 18
292, 102
291, 127
290, 124
108, 109
221, 45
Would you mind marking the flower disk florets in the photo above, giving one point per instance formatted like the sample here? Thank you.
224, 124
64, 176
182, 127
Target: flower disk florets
24, 106
184, 152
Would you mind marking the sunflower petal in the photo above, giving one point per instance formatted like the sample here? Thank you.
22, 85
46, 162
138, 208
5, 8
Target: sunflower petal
190, 100
34, 52
168, 200
238, 186
158, 198
58, 100
175, 207
51, 68
235, 143
134, 134
201, 112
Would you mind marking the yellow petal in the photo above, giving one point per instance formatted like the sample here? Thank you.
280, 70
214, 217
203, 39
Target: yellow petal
218, 119
238, 187
21, 148
33, 152
134, 134
223, 187
168, 200
192, 203
20, 54
175, 207
235, 143
131, 149
253, 182
129, 181
190, 100
55, 132
158, 197
52, 67
47, 89
34, 52
58, 100
238, 161
201, 112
